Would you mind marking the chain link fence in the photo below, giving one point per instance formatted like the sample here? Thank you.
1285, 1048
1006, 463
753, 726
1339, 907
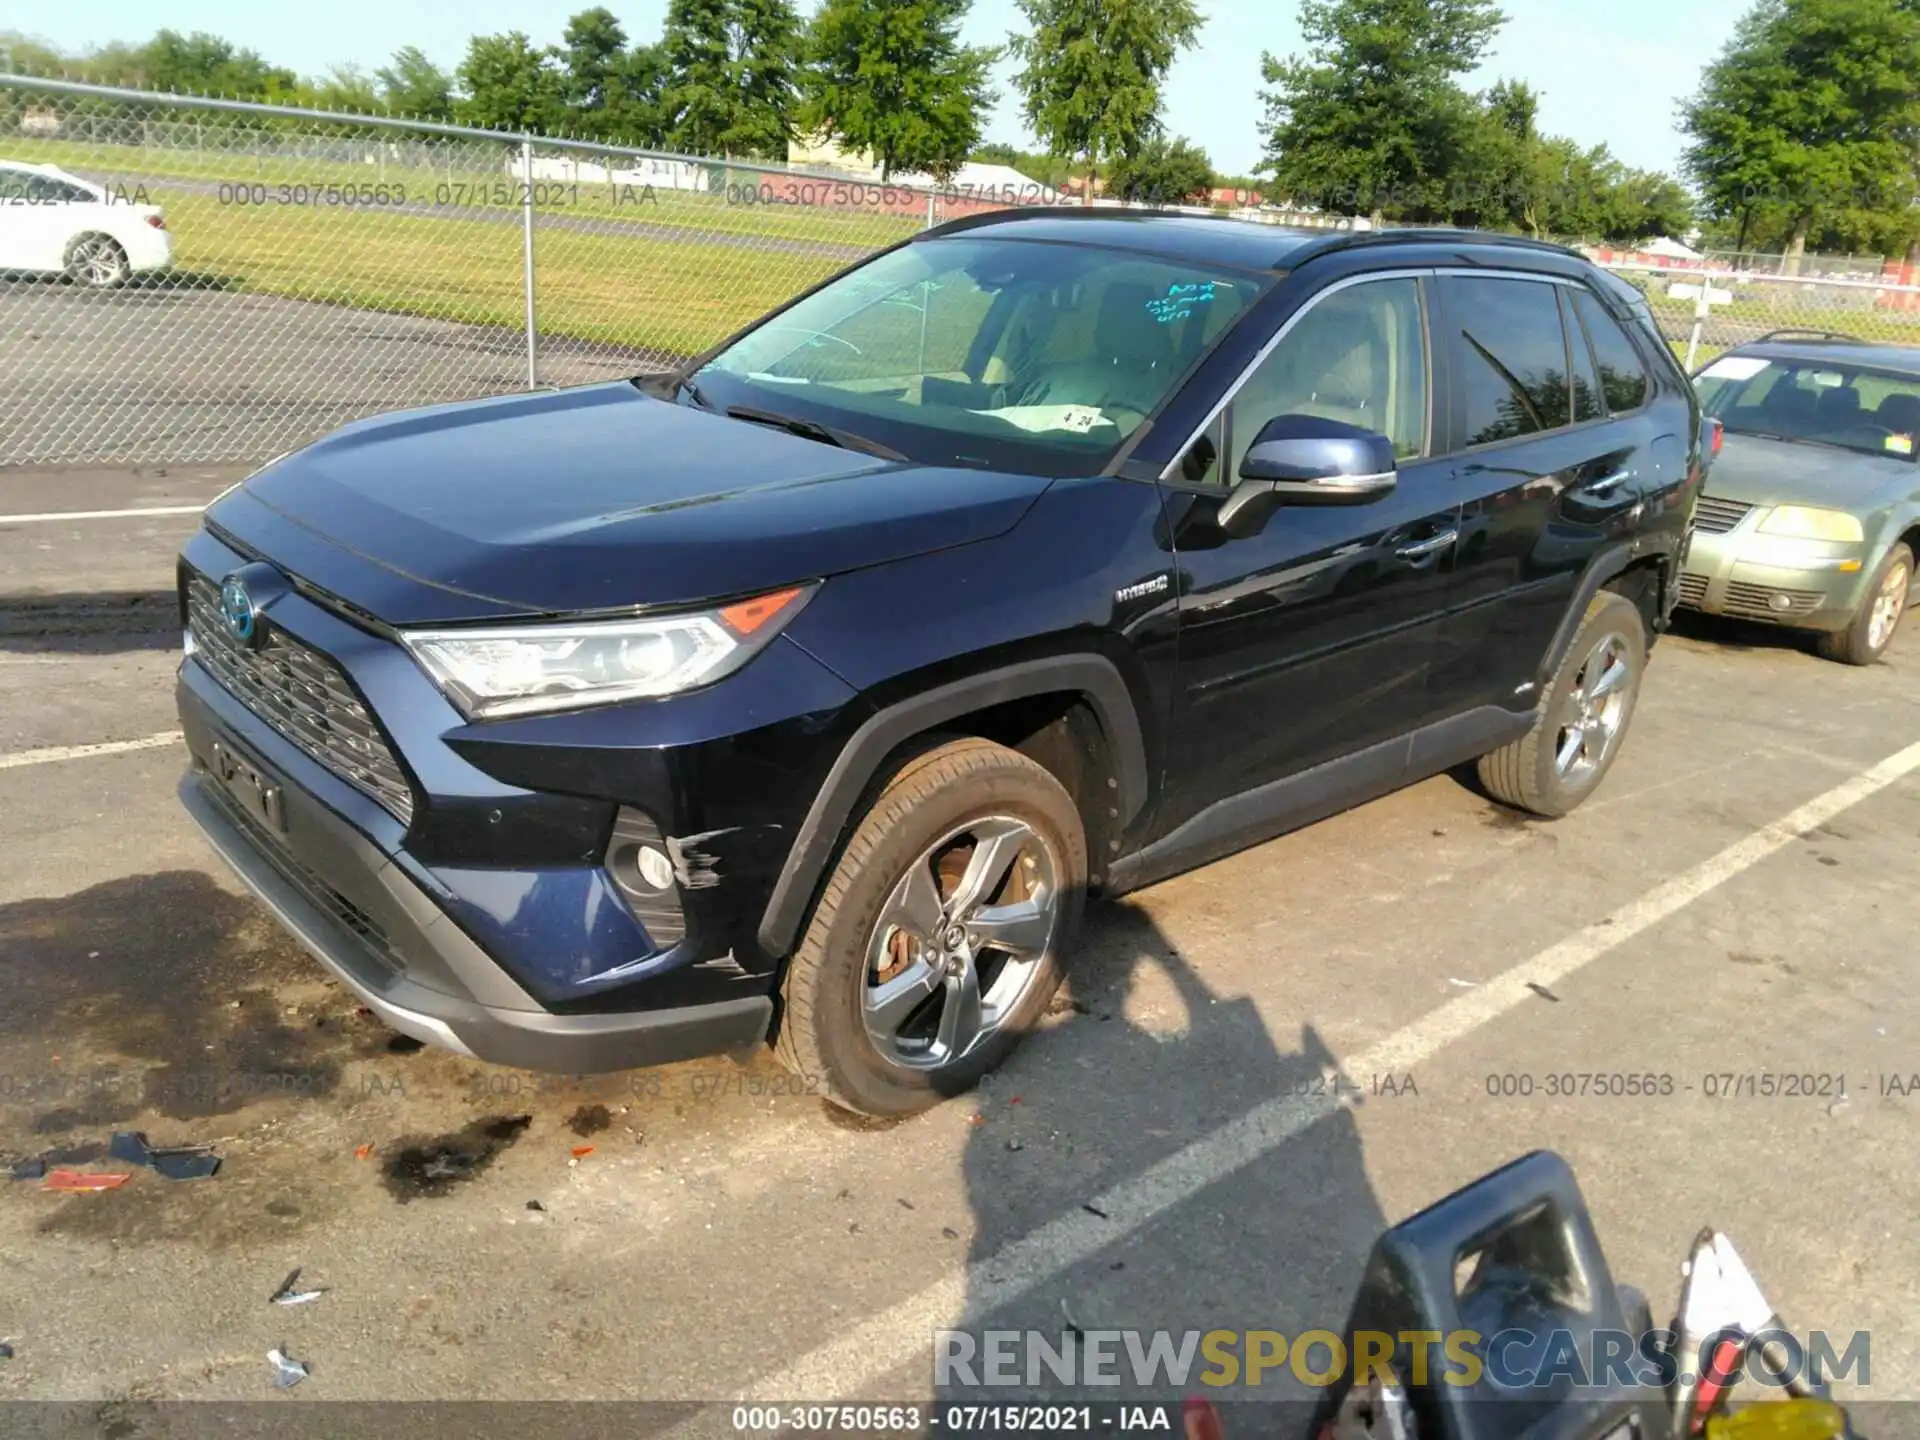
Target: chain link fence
185, 280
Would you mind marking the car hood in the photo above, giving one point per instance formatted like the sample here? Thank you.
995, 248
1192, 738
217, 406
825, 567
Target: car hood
1778, 472
593, 498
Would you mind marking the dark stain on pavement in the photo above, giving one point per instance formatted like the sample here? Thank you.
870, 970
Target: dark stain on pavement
157, 994
590, 1120
428, 1167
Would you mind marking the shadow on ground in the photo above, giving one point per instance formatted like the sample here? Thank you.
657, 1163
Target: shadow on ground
1154, 1061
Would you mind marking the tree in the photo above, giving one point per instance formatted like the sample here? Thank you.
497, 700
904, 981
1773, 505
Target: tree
509, 85
731, 67
1371, 119
1811, 116
1092, 71
1161, 172
768, 41
593, 47
203, 64
414, 86
344, 87
890, 77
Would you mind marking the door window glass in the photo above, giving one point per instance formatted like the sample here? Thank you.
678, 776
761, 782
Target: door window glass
1509, 359
1358, 355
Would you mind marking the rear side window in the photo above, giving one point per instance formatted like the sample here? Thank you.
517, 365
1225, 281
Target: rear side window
1623, 379
1509, 354
1586, 379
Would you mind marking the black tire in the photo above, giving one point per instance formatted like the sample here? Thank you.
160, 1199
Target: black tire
98, 262
1858, 644
823, 1032
1527, 774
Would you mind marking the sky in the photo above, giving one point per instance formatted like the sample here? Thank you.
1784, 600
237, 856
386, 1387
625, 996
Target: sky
1611, 74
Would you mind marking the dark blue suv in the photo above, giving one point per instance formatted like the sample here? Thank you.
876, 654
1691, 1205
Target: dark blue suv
801, 696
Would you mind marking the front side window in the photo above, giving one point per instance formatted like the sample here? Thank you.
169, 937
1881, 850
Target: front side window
1817, 402
1509, 354
988, 351
1358, 355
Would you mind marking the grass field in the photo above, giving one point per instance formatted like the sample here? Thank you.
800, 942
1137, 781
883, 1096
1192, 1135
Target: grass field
448, 242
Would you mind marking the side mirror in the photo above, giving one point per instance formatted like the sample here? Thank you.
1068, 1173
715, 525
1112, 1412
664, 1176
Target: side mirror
1304, 460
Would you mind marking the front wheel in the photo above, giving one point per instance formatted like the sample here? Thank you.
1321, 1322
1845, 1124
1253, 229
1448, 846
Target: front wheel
1871, 631
1582, 718
939, 939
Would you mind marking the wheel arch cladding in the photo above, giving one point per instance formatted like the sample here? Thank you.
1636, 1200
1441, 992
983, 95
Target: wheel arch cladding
1035, 706
1609, 570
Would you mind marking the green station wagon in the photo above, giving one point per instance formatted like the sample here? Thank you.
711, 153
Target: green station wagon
1811, 516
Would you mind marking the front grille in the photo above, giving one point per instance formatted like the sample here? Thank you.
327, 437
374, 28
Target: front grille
383, 962
1717, 517
1693, 590
303, 696
1757, 602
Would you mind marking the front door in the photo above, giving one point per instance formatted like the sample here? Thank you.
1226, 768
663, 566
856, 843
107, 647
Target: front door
1308, 641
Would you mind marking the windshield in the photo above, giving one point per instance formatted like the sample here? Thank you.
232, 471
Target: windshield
1827, 403
1015, 354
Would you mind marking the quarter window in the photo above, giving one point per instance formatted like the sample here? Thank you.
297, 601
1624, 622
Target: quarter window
1586, 380
1358, 355
1623, 379
1509, 359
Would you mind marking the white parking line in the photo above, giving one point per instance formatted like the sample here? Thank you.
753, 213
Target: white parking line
897, 1336
50, 516
85, 752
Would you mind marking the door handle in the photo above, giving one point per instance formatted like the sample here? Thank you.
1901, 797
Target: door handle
1607, 484
1421, 549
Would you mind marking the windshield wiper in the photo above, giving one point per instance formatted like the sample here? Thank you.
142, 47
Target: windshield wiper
693, 392
814, 430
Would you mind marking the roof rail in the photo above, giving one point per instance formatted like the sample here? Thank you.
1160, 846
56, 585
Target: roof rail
1429, 235
1793, 334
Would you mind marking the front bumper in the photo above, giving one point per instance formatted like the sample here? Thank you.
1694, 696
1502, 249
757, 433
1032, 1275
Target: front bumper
1803, 585
383, 936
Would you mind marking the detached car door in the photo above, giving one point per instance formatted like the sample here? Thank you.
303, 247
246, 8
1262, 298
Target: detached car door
1308, 641
1556, 455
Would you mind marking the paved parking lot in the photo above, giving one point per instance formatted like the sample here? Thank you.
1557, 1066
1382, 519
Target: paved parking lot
1737, 901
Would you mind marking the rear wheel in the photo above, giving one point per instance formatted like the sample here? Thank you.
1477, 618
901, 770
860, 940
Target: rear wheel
938, 941
1582, 717
1874, 623
98, 262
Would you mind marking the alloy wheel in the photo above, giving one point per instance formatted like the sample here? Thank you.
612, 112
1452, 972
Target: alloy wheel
99, 263
959, 941
1595, 711
1889, 604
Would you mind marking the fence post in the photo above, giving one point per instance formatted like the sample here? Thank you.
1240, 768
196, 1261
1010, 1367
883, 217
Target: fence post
526, 234
930, 200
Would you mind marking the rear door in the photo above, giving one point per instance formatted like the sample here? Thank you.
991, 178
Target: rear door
1554, 453
1309, 640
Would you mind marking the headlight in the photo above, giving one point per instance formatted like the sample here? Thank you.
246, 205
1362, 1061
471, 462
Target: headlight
565, 665
1810, 523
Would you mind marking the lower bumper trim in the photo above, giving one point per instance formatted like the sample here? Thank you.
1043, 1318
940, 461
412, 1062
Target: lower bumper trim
529, 1039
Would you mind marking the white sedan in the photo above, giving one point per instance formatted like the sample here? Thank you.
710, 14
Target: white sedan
55, 223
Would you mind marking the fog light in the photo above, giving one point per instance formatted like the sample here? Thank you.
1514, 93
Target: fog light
656, 870
1780, 602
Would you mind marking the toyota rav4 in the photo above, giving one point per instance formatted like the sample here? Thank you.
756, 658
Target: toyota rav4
802, 695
